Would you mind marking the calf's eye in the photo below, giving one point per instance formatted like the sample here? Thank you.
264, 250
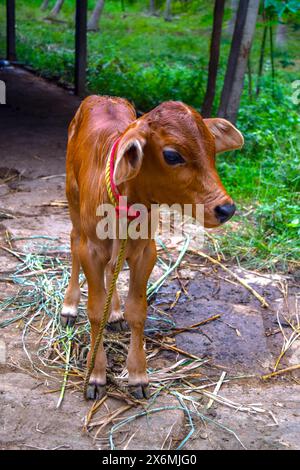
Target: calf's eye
172, 157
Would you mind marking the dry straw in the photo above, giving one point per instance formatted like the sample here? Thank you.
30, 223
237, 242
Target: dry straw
40, 280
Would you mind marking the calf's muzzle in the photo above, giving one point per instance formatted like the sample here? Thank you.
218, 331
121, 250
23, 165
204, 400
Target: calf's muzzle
224, 212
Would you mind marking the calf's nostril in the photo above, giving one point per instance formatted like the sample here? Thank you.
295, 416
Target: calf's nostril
225, 212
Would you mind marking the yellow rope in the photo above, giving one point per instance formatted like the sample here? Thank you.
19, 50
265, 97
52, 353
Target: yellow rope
118, 267
108, 185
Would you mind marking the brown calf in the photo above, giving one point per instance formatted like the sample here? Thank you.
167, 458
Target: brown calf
166, 156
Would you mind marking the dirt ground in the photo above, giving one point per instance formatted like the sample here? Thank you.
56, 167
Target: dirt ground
242, 344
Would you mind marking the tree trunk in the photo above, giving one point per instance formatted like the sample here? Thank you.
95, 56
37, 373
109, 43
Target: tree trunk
168, 13
233, 56
45, 5
281, 35
261, 59
93, 24
234, 7
57, 8
152, 7
214, 58
272, 57
250, 84
238, 58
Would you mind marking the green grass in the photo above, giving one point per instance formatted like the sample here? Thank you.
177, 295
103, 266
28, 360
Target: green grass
148, 61
264, 178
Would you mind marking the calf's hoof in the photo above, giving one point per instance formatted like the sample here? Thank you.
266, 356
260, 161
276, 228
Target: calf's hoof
116, 321
139, 391
95, 391
68, 315
117, 326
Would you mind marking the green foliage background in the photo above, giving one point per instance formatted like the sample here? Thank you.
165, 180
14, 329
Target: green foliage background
148, 60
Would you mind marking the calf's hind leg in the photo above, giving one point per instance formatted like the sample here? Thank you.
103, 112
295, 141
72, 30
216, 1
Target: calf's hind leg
116, 318
72, 295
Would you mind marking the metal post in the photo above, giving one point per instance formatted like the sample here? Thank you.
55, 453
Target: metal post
10, 30
80, 47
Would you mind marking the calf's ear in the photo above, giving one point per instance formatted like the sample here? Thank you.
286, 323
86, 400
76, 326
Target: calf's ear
129, 157
227, 136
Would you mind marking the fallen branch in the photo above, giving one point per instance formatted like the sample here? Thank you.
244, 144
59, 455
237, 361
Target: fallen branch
14, 253
51, 176
262, 300
280, 372
173, 348
192, 327
216, 390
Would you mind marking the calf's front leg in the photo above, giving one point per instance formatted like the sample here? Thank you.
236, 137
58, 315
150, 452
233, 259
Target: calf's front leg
140, 266
93, 268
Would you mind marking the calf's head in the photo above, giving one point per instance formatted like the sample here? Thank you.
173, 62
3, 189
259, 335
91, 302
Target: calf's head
168, 156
